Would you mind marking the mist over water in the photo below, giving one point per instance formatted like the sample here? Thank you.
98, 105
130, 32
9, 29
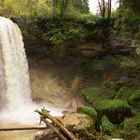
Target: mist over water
15, 94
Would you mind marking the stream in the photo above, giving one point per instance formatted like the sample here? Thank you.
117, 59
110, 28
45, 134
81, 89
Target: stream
18, 135
26, 119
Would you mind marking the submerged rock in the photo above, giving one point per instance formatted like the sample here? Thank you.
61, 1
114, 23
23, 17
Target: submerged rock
115, 110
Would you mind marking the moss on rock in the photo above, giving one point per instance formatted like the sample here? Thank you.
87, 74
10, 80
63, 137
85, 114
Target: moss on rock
115, 110
117, 133
92, 95
87, 110
131, 128
107, 126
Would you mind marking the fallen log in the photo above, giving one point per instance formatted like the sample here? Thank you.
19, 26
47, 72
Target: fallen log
53, 128
24, 128
46, 114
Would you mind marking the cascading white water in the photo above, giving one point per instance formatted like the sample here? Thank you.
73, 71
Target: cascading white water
15, 95
14, 75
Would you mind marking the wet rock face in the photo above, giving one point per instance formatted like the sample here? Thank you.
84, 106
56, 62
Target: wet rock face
119, 45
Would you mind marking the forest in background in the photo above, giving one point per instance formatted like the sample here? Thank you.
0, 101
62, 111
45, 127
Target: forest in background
56, 30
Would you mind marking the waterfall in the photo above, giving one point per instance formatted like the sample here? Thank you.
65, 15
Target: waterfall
15, 94
14, 77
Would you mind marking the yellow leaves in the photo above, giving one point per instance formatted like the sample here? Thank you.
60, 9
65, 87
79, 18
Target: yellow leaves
41, 1
23, 7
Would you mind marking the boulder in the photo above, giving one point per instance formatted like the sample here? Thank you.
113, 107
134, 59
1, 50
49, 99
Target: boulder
77, 121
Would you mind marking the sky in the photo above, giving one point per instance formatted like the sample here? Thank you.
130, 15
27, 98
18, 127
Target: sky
93, 5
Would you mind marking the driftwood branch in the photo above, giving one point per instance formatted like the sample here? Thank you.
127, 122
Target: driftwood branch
46, 114
24, 128
53, 128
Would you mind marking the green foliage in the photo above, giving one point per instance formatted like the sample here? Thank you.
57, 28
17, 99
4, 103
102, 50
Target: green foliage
81, 5
89, 17
92, 95
65, 36
117, 133
124, 93
136, 43
127, 63
58, 33
90, 67
16, 8
98, 68
134, 99
108, 90
133, 4
131, 128
87, 110
52, 8
127, 22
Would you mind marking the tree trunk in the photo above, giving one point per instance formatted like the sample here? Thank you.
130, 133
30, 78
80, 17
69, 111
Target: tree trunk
109, 9
103, 8
63, 7
100, 7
